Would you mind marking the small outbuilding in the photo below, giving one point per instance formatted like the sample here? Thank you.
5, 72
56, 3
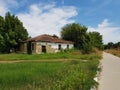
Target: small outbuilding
45, 44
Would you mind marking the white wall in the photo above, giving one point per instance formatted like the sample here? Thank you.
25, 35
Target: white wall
71, 46
63, 46
55, 45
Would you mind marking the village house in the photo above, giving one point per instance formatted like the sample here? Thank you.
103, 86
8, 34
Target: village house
45, 44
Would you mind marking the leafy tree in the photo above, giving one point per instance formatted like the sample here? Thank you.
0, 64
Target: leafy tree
117, 45
2, 44
1, 24
55, 36
96, 40
111, 45
78, 34
12, 31
1, 33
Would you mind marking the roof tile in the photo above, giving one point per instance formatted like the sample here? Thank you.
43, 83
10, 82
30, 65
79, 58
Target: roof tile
49, 38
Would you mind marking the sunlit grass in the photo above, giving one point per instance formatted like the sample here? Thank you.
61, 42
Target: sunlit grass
114, 52
67, 75
47, 56
74, 74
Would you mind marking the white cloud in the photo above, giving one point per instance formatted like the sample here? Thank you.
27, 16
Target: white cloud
6, 4
35, 10
47, 19
104, 24
3, 8
110, 33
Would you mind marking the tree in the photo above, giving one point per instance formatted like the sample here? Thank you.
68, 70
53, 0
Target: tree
78, 34
111, 45
117, 45
55, 36
96, 40
13, 32
1, 25
2, 44
1, 34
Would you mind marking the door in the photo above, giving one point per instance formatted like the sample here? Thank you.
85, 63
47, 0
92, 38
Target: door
29, 50
67, 46
44, 49
59, 47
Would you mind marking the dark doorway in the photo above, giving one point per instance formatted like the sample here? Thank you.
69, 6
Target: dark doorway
59, 47
67, 46
29, 50
44, 49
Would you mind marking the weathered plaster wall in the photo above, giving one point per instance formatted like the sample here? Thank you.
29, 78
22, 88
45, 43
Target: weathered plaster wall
50, 47
23, 47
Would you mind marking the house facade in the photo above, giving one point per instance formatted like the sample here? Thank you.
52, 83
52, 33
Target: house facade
45, 44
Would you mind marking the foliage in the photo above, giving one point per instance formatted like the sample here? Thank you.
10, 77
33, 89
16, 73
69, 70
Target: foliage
112, 45
66, 75
77, 33
55, 36
82, 72
96, 40
113, 48
2, 42
115, 52
12, 33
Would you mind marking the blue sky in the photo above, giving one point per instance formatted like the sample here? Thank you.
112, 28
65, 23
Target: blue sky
48, 16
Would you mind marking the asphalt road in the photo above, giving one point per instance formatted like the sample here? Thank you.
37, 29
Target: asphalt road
110, 75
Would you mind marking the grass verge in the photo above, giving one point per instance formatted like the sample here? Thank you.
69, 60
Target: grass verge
115, 52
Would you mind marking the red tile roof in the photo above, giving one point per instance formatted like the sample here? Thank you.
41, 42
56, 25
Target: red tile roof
48, 38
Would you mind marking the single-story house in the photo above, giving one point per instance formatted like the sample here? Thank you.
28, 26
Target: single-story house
45, 44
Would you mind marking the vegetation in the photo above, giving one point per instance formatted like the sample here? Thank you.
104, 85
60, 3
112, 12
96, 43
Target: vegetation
75, 73
113, 48
83, 41
12, 33
114, 51
112, 45
96, 40
47, 56
77, 33
65, 75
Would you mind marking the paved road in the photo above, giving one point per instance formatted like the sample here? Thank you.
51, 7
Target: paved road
110, 75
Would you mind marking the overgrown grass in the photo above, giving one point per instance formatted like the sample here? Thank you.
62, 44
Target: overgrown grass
115, 52
75, 74
67, 75
27, 76
47, 56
